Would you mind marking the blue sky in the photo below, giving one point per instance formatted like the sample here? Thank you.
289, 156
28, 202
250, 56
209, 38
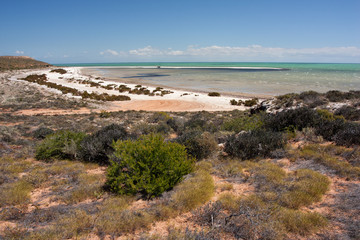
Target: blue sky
80, 31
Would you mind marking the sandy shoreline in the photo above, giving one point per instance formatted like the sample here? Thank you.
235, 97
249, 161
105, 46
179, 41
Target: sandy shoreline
177, 101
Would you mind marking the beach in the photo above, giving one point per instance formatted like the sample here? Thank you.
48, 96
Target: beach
173, 100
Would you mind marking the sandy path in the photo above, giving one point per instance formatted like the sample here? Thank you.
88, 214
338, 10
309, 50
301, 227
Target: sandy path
137, 105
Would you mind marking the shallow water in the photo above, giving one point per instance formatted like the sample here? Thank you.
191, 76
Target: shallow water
295, 77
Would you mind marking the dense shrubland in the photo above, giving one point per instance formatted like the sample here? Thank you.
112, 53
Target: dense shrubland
161, 166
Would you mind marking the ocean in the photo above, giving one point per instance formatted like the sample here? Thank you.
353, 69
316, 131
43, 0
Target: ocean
235, 78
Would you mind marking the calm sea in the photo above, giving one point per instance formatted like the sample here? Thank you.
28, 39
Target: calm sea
236, 78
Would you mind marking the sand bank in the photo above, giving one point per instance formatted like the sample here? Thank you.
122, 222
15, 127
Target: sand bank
177, 100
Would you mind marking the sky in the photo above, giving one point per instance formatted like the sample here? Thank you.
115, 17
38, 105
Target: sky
92, 31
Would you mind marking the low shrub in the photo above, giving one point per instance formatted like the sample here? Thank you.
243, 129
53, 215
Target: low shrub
60, 145
201, 121
251, 102
349, 113
257, 143
198, 145
148, 166
59, 70
42, 132
308, 187
303, 223
298, 118
236, 103
214, 94
244, 123
349, 135
15, 193
194, 191
312, 99
98, 146
323, 155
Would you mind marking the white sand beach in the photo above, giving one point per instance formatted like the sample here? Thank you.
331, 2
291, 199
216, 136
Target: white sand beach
177, 100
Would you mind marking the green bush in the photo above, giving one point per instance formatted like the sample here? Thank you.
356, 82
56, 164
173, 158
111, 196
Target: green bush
214, 94
98, 146
59, 70
257, 143
250, 102
244, 123
299, 118
348, 135
63, 144
148, 166
301, 222
42, 132
349, 113
199, 145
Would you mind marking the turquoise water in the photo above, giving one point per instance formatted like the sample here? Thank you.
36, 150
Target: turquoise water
292, 77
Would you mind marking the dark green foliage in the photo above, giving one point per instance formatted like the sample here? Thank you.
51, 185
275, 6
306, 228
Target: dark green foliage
237, 103
257, 143
98, 146
214, 94
251, 102
312, 99
59, 70
244, 123
199, 145
59, 145
349, 113
42, 132
201, 121
338, 96
348, 135
328, 128
299, 118
42, 80
148, 166
335, 96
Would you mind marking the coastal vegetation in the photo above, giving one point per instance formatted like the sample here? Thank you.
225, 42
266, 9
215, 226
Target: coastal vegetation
286, 173
214, 94
42, 80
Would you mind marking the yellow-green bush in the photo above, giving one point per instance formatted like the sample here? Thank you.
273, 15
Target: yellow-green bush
148, 166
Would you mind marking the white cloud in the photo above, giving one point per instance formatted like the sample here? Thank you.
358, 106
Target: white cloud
19, 52
252, 52
109, 52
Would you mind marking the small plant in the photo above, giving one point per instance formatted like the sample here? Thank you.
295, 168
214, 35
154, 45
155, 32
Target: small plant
237, 103
42, 132
194, 191
302, 222
348, 135
349, 113
60, 145
214, 94
251, 102
148, 166
244, 123
98, 146
59, 70
199, 145
257, 143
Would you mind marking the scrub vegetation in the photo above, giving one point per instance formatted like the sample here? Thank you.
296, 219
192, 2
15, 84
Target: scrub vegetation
290, 174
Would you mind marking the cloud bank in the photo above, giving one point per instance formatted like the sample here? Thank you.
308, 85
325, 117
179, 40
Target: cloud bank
248, 53
19, 52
